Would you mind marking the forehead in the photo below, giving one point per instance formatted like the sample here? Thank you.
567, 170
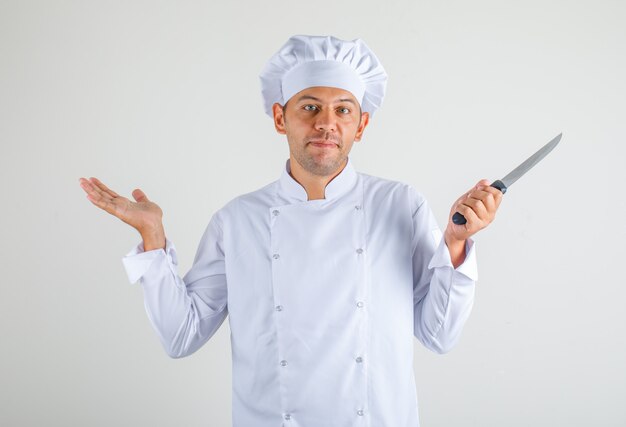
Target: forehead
324, 94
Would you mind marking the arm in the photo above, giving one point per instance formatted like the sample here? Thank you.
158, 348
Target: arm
445, 267
442, 295
185, 312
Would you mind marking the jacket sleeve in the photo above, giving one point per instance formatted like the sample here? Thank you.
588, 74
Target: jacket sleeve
442, 296
185, 312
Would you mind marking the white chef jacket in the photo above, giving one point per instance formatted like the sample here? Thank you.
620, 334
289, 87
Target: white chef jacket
324, 298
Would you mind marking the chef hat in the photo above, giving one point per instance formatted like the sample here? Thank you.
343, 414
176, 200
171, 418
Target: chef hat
307, 61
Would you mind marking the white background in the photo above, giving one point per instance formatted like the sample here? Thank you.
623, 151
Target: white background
164, 96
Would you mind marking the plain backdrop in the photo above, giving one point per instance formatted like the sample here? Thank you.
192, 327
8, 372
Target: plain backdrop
164, 96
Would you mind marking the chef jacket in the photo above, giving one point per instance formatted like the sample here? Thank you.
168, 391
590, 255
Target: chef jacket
324, 298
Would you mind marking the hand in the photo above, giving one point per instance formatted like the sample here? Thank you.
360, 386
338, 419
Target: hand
143, 215
478, 206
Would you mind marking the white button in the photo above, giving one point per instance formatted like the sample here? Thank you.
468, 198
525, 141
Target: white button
275, 212
357, 207
359, 359
360, 412
279, 308
359, 304
287, 416
359, 251
283, 363
276, 256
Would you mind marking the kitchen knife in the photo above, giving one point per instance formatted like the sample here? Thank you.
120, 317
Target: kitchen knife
507, 181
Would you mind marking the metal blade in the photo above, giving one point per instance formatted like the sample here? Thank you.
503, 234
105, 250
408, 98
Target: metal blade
516, 173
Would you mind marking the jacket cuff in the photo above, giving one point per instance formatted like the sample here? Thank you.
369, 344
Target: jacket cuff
137, 262
441, 258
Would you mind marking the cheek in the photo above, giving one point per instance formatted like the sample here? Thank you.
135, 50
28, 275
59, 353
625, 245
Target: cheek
351, 124
297, 123
351, 129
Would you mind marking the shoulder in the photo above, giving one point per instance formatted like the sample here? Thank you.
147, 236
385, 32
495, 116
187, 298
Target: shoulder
248, 203
382, 188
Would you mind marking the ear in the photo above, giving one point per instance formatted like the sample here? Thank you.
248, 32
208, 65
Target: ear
365, 117
279, 118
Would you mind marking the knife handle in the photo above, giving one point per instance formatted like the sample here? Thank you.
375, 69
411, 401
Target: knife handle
457, 218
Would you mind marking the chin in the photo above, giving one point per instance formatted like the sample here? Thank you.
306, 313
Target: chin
325, 167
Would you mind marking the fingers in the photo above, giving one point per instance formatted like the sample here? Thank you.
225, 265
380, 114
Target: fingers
96, 189
489, 196
100, 195
103, 187
495, 196
94, 194
478, 205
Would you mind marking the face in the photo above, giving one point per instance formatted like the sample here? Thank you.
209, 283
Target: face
321, 124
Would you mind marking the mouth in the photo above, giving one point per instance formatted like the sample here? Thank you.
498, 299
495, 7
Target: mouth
323, 144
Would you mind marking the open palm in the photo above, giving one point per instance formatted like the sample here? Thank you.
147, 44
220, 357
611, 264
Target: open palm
142, 214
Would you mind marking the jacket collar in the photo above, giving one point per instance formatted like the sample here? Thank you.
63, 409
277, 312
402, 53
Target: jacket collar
342, 183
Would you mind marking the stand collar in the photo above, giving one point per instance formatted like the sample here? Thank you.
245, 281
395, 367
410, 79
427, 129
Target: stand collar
339, 185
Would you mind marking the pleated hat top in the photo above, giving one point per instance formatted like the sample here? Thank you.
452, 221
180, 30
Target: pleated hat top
308, 61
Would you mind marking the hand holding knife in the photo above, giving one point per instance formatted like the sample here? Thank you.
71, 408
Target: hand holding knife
479, 205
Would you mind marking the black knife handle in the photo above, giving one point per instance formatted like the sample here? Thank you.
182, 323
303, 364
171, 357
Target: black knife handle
457, 218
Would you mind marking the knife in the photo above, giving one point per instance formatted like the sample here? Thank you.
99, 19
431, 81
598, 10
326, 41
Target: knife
515, 174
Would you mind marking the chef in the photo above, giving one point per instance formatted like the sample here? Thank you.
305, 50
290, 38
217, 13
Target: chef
325, 274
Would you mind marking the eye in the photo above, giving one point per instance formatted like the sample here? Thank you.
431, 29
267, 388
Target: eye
344, 110
310, 107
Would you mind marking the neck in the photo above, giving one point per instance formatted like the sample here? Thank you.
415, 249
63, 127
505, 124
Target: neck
314, 185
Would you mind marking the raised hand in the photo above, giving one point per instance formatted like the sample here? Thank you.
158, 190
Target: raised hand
478, 206
143, 215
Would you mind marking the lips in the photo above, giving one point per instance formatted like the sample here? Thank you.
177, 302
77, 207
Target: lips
323, 144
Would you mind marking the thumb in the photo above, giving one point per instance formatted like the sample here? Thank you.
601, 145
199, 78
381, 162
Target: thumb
139, 195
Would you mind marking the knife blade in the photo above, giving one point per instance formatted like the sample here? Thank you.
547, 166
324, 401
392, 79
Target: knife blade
504, 183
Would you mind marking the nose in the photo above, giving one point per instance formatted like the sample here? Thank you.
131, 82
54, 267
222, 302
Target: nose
326, 120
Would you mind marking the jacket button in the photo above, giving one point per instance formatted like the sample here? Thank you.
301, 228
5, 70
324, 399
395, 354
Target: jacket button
287, 417
276, 256
359, 304
359, 251
275, 212
360, 412
359, 359
279, 308
357, 207
283, 363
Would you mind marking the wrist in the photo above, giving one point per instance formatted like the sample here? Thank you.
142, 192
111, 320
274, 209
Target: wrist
456, 248
451, 241
153, 238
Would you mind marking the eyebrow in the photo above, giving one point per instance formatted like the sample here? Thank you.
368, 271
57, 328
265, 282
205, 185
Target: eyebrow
319, 100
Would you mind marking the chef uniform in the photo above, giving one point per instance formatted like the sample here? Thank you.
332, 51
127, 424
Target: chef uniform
324, 296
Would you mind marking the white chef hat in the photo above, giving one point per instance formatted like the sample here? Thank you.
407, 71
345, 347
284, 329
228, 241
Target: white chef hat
307, 61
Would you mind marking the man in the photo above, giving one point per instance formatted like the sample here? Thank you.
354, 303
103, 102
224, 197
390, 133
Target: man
326, 274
